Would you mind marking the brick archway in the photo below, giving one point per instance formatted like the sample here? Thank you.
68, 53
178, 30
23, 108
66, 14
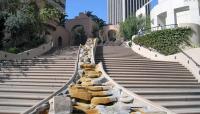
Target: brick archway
83, 20
109, 28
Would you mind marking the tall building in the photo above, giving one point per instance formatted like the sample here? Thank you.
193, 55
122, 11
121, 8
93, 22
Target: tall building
119, 10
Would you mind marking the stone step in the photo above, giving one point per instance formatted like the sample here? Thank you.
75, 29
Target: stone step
20, 95
30, 87
177, 104
39, 62
50, 64
154, 79
35, 81
148, 70
156, 83
160, 86
142, 66
150, 76
36, 74
173, 97
42, 67
150, 73
33, 84
12, 109
40, 72
26, 90
116, 55
37, 77
132, 60
140, 63
186, 110
166, 91
18, 102
37, 69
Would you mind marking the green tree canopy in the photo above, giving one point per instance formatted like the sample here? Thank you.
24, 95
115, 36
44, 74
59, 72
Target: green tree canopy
132, 25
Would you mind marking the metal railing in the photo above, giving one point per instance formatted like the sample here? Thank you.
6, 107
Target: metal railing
156, 28
190, 58
44, 102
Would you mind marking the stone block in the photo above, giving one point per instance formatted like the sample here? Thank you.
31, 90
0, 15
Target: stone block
103, 100
99, 80
100, 93
99, 88
126, 99
60, 105
79, 92
92, 74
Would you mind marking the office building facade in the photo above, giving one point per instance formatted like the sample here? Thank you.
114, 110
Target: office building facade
119, 10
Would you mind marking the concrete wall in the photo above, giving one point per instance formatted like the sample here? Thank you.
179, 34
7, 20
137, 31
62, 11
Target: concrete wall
177, 12
27, 54
195, 38
64, 34
181, 12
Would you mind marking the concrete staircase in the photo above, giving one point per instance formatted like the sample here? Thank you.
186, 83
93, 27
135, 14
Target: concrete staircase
166, 83
25, 83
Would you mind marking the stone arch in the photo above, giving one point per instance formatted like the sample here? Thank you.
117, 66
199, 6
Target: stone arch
112, 35
78, 34
110, 28
83, 20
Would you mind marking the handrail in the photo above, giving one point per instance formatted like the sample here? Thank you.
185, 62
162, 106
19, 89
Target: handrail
189, 57
35, 108
160, 27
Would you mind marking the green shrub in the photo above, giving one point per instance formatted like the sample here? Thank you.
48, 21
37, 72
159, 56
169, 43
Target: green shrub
166, 41
13, 50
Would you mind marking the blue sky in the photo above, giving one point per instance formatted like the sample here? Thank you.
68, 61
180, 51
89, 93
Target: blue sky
98, 7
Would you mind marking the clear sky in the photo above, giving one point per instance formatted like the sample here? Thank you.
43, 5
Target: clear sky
98, 7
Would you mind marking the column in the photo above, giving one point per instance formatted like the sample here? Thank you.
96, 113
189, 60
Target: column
123, 10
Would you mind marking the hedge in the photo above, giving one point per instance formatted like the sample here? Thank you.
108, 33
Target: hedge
166, 41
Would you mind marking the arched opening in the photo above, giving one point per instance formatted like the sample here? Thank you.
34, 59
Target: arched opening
78, 34
60, 42
112, 35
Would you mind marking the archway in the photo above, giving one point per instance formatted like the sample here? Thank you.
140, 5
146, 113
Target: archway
78, 34
60, 42
83, 20
112, 35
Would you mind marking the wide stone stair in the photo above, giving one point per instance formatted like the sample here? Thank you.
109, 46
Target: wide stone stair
168, 84
25, 83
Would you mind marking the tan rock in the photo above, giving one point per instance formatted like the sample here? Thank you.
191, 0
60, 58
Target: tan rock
93, 111
92, 74
83, 105
85, 79
100, 93
87, 84
98, 88
87, 110
79, 92
103, 100
87, 66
